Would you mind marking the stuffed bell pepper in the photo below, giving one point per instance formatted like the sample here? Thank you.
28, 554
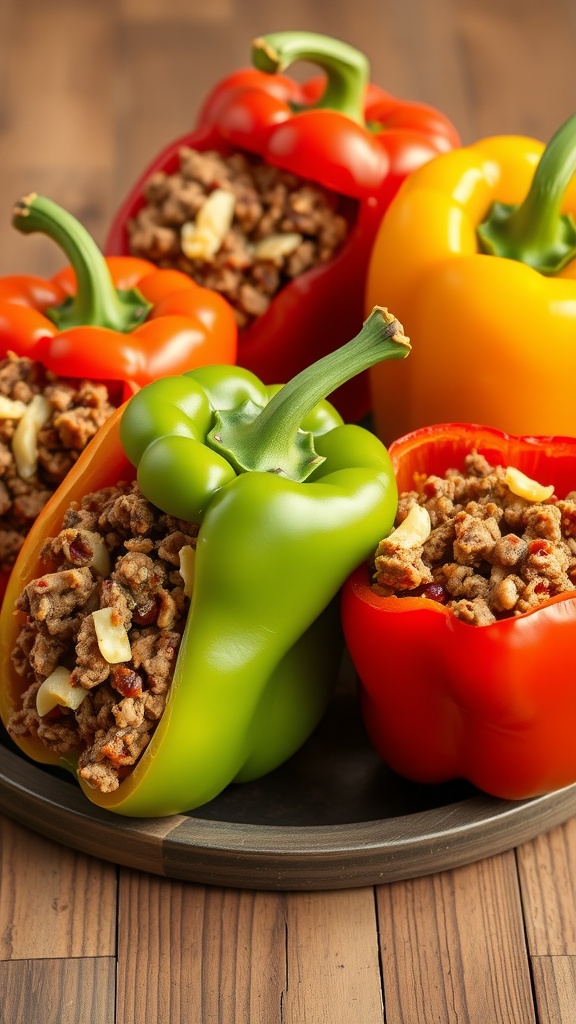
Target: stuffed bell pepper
461, 625
477, 256
74, 347
274, 199
176, 625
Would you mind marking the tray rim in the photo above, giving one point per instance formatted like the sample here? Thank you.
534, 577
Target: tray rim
283, 857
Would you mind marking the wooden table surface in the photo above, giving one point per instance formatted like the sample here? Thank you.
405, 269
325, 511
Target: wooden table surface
89, 89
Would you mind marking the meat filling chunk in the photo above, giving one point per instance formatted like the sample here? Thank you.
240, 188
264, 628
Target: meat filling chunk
36, 452
118, 555
489, 552
238, 226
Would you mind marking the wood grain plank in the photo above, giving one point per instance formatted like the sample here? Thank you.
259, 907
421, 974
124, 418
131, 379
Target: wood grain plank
508, 90
55, 991
453, 947
177, 10
555, 988
200, 954
333, 973
59, 62
53, 902
547, 868
57, 123
58, 991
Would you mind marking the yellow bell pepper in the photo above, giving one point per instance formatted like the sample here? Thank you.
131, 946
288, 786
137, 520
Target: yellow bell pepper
476, 255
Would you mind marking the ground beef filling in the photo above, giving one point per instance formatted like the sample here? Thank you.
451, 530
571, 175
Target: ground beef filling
115, 551
237, 226
490, 553
37, 450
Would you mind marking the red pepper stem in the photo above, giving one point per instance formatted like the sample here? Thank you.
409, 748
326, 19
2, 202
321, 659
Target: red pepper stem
97, 303
535, 231
347, 69
271, 439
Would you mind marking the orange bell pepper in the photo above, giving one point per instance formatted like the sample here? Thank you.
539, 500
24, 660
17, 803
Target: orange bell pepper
476, 256
119, 320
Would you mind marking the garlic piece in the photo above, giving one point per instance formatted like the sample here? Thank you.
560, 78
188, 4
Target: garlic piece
414, 530
276, 246
25, 438
11, 409
187, 559
112, 637
56, 690
200, 239
524, 487
100, 556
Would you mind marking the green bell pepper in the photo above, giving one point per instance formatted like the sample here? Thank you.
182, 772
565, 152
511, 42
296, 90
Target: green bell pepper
289, 500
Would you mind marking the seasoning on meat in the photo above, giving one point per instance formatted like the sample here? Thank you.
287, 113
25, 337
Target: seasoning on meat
45, 423
494, 548
74, 616
237, 226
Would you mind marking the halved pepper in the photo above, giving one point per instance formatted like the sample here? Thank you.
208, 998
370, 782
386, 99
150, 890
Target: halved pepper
483, 277
338, 131
121, 322
443, 699
288, 499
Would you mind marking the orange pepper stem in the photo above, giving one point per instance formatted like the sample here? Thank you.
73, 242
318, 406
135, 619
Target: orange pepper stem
347, 69
97, 303
270, 439
535, 231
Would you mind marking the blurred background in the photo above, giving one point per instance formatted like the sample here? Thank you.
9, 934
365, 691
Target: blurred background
90, 90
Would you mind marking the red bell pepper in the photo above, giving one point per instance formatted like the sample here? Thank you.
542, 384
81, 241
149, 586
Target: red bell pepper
122, 321
338, 131
443, 699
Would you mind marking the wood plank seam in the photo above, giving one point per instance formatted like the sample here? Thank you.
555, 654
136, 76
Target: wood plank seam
379, 953
530, 957
555, 988
284, 990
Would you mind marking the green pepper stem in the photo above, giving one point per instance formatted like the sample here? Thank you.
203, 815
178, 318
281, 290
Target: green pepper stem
271, 439
534, 231
347, 69
97, 303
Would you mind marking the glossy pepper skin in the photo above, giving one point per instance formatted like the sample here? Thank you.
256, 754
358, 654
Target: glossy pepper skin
444, 699
485, 286
121, 321
288, 499
339, 131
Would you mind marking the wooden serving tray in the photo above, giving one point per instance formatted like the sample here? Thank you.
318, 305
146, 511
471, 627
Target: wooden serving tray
332, 817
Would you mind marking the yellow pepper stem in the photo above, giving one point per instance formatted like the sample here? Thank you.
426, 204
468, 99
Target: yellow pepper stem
535, 231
